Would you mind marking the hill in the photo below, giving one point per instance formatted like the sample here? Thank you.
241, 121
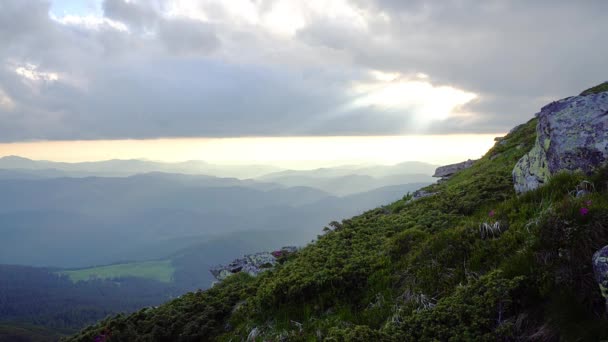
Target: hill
349, 180
119, 244
472, 260
129, 167
79, 222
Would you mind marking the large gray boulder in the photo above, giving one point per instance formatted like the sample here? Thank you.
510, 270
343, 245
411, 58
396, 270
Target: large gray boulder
572, 135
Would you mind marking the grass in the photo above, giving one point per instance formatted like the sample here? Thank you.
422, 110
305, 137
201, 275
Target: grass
597, 89
157, 270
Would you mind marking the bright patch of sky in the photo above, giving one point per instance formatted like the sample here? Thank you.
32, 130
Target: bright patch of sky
84, 13
287, 152
60, 8
5, 101
31, 72
395, 92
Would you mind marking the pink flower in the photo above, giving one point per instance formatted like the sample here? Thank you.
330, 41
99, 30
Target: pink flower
491, 213
584, 211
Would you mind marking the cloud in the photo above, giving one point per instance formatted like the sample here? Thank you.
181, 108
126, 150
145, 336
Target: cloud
187, 36
182, 68
31, 72
6, 103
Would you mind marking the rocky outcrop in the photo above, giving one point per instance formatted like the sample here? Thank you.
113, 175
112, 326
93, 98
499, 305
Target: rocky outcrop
447, 171
572, 135
253, 264
600, 268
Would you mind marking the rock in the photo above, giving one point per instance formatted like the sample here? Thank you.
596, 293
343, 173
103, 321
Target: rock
494, 156
448, 171
572, 135
600, 269
418, 194
501, 141
253, 264
289, 249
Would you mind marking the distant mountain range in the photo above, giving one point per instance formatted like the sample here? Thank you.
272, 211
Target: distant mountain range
120, 167
339, 181
130, 214
74, 215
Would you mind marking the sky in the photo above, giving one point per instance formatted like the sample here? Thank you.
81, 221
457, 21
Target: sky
293, 152
332, 72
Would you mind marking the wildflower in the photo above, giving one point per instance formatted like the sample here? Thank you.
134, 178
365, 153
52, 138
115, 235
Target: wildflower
491, 213
588, 203
584, 211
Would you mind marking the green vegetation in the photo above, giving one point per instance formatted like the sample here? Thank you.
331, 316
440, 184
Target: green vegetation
156, 270
474, 262
597, 89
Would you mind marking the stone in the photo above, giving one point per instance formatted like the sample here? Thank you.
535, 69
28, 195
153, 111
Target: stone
289, 249
418, 194
253, 264
571, 135
448, 171
250, 263
600, 269
494, 156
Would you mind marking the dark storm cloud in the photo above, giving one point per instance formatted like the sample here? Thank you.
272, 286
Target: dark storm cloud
137, 72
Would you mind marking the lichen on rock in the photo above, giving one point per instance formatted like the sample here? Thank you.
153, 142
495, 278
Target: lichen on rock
572, 135
600, 268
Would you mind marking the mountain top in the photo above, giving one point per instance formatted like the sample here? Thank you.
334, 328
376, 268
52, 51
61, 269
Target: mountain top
600, 88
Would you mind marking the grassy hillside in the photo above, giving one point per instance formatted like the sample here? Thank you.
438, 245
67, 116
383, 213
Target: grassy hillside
472, 262
597, 89
156, 270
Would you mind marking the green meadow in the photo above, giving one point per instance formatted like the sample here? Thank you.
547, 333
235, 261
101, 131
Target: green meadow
157, 270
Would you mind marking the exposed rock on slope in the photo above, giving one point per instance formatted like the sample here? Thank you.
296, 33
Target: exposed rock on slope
253, 264
600, 268
447, 171
572, 134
